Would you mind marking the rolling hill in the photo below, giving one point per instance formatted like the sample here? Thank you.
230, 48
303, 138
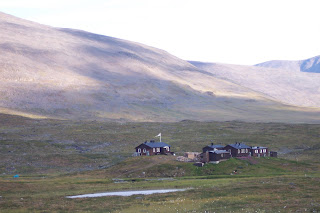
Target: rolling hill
309, 65
48, 72
279, 80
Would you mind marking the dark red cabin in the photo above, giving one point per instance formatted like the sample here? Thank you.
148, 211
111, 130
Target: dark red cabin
238, 150
259, 151
153, 148
212, 147
219, 155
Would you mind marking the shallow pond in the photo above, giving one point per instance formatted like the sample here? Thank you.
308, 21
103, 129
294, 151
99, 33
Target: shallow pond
127, 193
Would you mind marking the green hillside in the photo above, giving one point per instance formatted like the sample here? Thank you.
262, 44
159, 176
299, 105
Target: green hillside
55, 146
263, 185
57, 158
169, 167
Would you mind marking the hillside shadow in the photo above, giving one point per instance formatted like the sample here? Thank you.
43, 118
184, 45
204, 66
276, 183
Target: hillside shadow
24, 50
114, 47
109, 55
149, 99
112, 41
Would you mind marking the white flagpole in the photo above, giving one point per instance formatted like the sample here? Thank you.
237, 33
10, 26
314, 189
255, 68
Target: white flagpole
159, 135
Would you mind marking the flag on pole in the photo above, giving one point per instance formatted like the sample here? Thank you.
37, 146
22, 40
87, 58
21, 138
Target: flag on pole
159, 135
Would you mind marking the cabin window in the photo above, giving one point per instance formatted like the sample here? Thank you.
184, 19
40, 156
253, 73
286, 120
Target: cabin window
264, 150
222, 155
238, 151
144, 150
246, 150
154, 149
260, 150
139, 150
158, 149
256, 151
243, 150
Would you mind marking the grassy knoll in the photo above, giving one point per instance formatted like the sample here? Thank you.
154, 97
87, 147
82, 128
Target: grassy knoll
167, 166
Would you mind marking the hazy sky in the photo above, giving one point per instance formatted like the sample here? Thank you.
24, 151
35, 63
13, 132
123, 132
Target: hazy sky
228, 31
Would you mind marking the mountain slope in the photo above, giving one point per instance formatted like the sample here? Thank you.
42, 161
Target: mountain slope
72, 74
286, 85
309, 65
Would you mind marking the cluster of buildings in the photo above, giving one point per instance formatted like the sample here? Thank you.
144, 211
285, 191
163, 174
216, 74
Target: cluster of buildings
210, 154
216, 153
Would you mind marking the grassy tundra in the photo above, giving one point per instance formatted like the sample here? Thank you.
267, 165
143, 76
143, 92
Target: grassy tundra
276, 189
59, 158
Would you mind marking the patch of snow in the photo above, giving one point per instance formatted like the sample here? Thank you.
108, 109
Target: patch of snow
126, 193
